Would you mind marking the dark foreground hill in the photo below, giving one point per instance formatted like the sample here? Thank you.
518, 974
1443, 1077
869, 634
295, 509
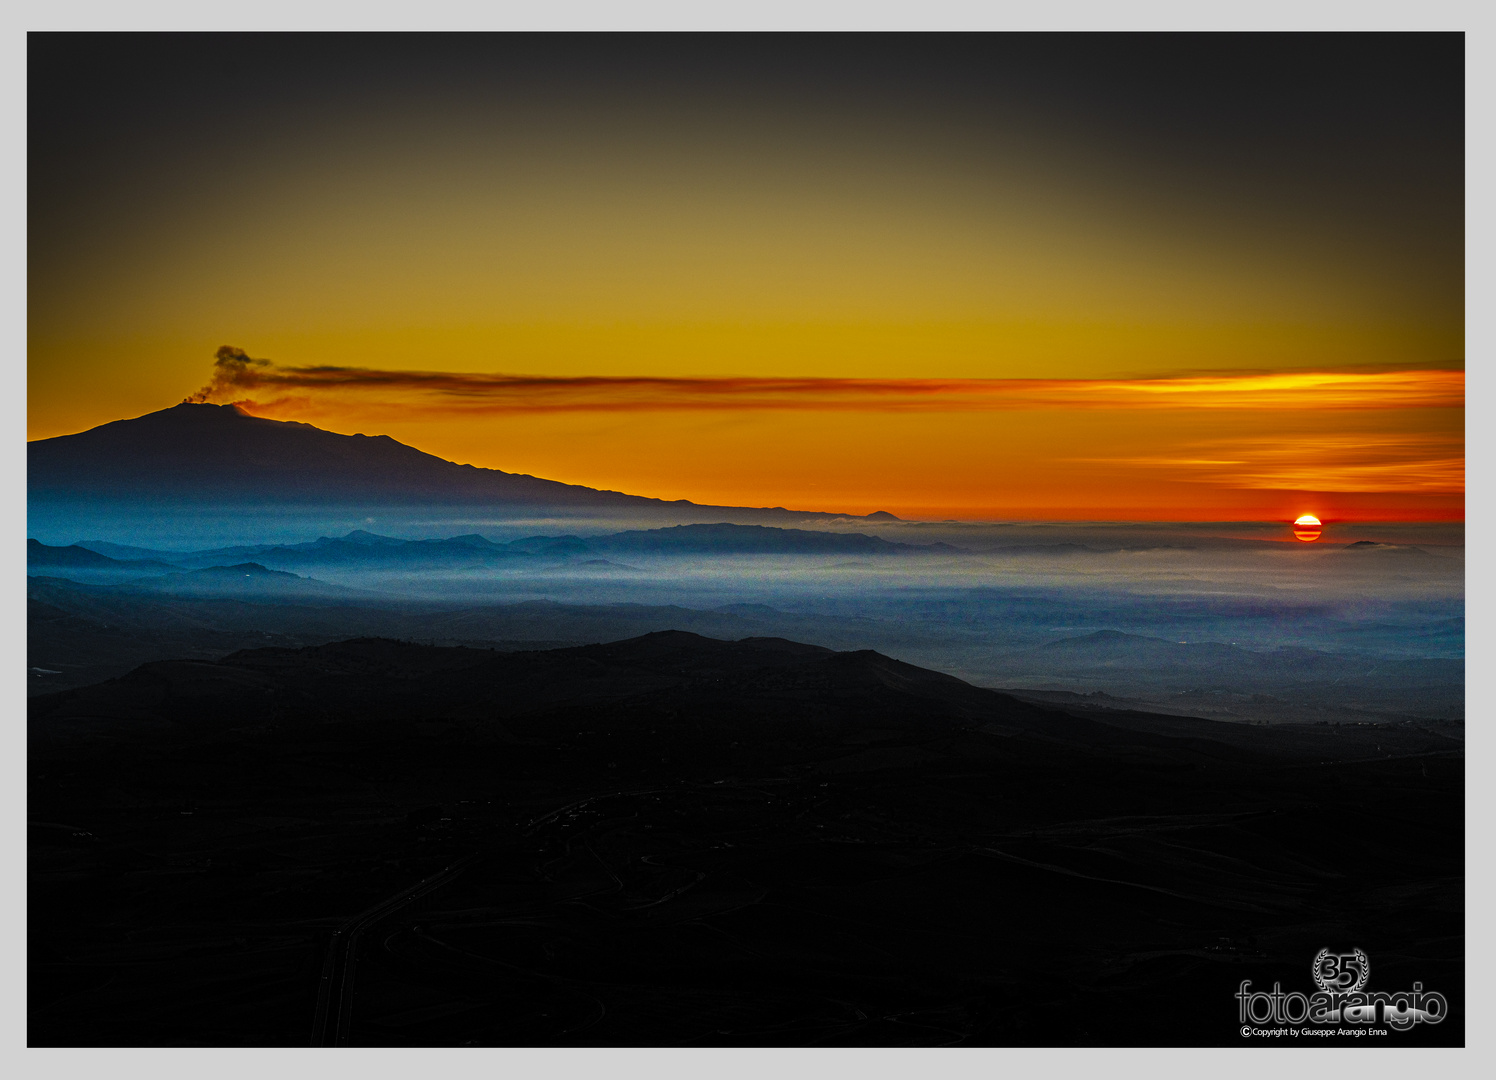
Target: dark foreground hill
79, 634
674, 840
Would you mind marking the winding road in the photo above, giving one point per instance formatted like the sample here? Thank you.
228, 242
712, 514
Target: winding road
334, 1017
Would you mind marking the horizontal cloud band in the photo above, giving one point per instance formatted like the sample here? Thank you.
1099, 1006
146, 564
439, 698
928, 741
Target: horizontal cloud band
236, 375
1422, 463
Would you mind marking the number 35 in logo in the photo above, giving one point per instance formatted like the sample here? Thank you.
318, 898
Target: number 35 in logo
1341, 973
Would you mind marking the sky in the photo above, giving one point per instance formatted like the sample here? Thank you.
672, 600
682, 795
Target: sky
1199, 277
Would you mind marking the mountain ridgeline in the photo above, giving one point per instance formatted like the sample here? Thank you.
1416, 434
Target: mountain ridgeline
360, 549
195, 456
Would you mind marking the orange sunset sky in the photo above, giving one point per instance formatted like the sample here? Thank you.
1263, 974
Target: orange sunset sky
975, 277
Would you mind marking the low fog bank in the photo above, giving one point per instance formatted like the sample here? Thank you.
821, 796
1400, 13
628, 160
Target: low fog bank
206, 527
1212, 621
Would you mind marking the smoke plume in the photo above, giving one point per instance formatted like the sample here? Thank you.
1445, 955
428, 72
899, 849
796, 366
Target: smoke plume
237, 375
231, 368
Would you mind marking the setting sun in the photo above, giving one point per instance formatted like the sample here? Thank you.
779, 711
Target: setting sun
1307, 527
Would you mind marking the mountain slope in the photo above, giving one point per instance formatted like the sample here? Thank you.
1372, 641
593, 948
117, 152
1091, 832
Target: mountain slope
79, 557
219, 455
249, 581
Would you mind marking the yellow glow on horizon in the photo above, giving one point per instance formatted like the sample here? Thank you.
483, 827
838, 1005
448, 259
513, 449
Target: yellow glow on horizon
764, 306
1178, 463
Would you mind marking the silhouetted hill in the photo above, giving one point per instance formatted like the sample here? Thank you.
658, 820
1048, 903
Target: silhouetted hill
1115, 648
1365, 548
674, 840
1046, 549
78, 557
779, 696
245, 580
1209, 679
1225, 664
219, 455
758, 687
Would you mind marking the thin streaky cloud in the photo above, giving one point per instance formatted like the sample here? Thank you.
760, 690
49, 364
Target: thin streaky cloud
1365, 462
255, 382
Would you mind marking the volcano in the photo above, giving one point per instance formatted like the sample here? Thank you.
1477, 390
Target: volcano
195, 456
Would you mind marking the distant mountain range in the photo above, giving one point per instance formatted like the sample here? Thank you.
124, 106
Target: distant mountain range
365, 550
244, 580
1206, 663
77, 557
84, 632
194, 456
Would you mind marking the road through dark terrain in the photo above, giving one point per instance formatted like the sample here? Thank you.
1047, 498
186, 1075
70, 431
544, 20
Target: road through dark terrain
675, 840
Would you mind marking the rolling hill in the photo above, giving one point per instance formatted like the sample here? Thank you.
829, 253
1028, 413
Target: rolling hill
672, 840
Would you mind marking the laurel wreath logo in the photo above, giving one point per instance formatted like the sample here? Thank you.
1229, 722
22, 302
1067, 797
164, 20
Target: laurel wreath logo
1329, 970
